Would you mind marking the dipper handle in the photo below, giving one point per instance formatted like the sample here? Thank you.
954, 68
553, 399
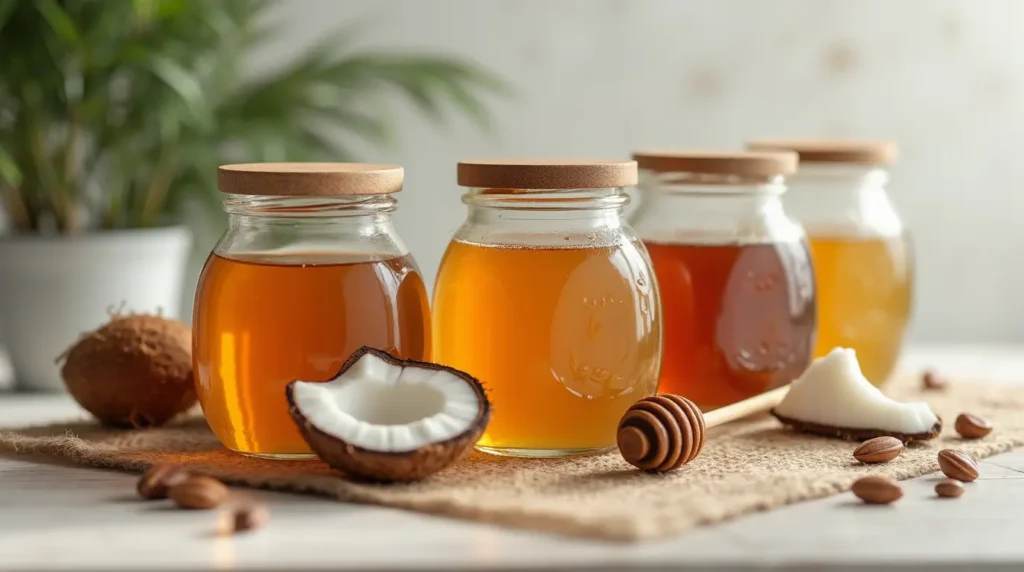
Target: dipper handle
758, 404
664, 432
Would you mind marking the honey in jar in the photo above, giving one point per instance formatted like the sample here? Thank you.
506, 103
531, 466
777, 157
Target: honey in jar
861, 251
310, 270
547, 297
734, 273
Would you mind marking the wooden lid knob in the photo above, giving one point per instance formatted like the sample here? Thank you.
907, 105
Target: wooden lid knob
661, 433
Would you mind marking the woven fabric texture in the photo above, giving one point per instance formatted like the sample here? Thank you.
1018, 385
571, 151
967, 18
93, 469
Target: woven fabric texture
747, 466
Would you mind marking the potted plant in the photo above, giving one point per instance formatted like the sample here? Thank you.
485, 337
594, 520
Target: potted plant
113, 119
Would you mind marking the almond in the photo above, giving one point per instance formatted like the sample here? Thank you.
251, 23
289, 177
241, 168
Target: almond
158, 479
957, 465
933, 380
971, 426
876, 489
949, 488
878, 450
250, 516
199, 492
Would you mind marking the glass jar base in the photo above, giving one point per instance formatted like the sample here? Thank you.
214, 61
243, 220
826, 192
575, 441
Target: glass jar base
280, 456
543, 453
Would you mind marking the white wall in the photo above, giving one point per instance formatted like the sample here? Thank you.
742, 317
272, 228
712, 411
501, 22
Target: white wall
601, 77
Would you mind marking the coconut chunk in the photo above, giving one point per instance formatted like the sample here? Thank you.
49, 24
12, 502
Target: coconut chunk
387, 419
833, 397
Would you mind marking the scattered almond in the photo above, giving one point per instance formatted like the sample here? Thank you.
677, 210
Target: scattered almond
949, 488
878, 450
971, 426
155, 483
249, 516
199, 492
957, 465
876, 489
933, 380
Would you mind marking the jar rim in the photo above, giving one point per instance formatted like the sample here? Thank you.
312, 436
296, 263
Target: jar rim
598, 198
690, 183
293, 206
310, 179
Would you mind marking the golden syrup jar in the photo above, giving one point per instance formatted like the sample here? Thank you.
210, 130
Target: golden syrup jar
309, 270
733, 269
546, 295
862, 252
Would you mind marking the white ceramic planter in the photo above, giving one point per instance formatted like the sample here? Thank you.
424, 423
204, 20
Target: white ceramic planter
52, 289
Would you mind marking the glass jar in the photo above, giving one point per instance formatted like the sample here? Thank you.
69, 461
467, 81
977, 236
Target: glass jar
734, 271
309, 270
862, 253
546, 296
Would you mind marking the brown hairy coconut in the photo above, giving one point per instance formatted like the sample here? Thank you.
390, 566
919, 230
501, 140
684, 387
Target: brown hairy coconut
135, 371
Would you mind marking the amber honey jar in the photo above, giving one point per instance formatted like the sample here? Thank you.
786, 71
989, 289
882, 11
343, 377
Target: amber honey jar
734, 271
862, 252
309, 270
546, 295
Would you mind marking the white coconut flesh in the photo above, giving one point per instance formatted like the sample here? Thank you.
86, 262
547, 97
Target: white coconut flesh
832, 391
387, 407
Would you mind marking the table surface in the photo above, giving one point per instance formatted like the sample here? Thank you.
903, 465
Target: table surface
55, 516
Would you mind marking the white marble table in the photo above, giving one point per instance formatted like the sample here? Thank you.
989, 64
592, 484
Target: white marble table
54, 516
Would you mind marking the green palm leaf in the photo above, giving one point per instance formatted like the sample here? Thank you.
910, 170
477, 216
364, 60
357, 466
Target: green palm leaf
142, 99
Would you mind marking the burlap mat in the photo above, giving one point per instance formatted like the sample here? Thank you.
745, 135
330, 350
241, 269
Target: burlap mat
747, 466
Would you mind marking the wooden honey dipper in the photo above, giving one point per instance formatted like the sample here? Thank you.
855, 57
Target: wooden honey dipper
664, 432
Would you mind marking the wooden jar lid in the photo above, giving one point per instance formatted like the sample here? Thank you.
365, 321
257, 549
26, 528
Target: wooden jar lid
547, 173
310, 179
832, 151
746, 164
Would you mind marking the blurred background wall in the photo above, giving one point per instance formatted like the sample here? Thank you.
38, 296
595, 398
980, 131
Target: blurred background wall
945, 78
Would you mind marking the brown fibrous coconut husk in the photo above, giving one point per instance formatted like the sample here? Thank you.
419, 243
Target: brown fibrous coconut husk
134, 371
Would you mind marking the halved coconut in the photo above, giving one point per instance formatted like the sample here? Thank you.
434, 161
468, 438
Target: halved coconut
387, 419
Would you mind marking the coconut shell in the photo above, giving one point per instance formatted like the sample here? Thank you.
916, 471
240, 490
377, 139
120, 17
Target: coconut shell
382, 467
857, 434
388, 467
135, 371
